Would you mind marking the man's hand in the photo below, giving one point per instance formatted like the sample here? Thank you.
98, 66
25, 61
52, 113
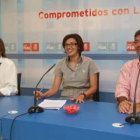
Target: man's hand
131, 108
124, 106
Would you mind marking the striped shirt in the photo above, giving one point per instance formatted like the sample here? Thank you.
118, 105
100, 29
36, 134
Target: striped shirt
127, 81
75, 81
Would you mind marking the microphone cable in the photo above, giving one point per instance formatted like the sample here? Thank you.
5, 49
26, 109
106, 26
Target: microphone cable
134, 105
11, 130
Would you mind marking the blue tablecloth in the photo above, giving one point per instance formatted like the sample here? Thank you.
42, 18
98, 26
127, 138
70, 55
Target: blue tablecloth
93, 121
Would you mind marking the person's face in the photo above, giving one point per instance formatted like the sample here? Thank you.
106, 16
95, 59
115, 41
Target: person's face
137, 44
71, 47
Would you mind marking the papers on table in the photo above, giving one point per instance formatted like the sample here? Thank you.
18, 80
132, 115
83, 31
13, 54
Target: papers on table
52, 104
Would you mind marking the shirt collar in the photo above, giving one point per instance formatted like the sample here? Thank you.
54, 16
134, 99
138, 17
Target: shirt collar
81, 59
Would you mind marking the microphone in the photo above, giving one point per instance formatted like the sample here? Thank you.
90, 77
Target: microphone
35, 108
134, 118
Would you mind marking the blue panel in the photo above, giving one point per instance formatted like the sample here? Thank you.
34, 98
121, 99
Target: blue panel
60, 56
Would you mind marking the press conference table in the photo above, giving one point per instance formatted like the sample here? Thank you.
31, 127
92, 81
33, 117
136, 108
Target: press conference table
12, 103
94, 121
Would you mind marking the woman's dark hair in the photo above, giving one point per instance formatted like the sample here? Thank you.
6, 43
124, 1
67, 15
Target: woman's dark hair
137, 33
2, 48
78, 40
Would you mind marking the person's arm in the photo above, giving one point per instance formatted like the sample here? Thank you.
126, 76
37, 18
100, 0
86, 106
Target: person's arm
10, 79
93, 85
53, 90
123, 85
138, 108
93, 88
124, 106
122, 92
1, 94
121, 99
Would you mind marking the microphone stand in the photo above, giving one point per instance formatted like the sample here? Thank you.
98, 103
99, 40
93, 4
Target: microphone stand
35, 108
134, 118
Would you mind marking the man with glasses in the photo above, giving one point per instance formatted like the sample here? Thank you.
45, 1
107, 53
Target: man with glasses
129, 82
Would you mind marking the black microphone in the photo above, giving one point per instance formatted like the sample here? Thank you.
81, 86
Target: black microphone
134, 118
35, 108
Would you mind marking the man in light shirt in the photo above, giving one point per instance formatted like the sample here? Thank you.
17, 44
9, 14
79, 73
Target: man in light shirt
8, 74
125, 88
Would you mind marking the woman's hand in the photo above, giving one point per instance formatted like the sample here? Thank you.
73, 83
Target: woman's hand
78, 99
39, 95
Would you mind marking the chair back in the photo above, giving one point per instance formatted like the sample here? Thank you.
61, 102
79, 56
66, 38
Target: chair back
95, 96
18, 82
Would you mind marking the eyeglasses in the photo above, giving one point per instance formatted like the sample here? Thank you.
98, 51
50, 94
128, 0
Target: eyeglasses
72, 44
136, 41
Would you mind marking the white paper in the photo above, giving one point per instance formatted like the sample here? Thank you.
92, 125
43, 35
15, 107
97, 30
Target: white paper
52, 104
